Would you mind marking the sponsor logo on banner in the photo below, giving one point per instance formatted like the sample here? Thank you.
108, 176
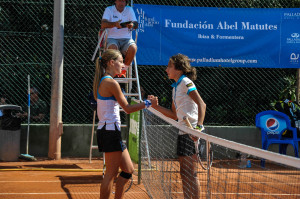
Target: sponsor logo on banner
216, 36
294, 58
295, 35
294, 39
291, 15
272, 125
145, 21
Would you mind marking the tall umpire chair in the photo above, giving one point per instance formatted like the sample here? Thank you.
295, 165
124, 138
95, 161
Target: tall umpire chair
132, 76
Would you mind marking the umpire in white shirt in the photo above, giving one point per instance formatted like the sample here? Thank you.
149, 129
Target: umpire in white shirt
119, 19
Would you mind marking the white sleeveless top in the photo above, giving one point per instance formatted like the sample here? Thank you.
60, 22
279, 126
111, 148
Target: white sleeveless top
108, 111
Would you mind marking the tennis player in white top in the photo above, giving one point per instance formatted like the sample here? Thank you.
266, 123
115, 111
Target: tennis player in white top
186, 101
109, 97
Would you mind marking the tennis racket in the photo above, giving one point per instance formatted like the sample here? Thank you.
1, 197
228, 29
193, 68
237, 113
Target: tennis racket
127, 186
201, 149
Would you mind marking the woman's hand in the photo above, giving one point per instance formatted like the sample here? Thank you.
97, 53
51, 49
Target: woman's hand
154, 100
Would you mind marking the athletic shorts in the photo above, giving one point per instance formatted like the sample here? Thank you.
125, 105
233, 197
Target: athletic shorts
122, 44
110, 140
185, 145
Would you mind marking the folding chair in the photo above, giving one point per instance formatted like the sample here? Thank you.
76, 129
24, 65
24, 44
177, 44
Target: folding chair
272, 124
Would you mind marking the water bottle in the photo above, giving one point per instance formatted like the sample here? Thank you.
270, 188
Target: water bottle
243, 163
297, 124
248, 164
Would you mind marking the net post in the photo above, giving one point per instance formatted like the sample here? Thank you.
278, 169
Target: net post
92, 137
140, 154
208, 159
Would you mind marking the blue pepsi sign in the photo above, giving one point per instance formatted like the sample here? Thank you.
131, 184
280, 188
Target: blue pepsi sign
227, 37
273, 126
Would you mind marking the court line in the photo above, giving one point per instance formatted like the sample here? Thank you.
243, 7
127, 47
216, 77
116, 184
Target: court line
57, 169
85, 193
258, 182
259, 194
49, 169
135, 192
20, 181
46, 181
64, 193
84, 181
52, 193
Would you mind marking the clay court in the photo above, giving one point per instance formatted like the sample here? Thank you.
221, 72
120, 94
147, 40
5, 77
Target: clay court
66, 178
72, 178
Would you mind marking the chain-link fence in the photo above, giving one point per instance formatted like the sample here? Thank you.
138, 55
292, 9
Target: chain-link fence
233, 95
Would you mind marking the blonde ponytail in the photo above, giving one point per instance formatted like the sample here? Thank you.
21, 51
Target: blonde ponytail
101, 64
99, 71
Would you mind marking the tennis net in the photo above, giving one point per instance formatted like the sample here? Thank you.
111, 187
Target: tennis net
227, 169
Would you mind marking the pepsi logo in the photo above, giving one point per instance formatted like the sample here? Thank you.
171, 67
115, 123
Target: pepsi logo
272, 124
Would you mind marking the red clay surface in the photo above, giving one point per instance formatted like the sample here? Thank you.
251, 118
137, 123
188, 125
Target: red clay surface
57, 179
72, 178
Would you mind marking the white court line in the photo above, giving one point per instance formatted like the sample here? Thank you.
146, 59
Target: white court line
20, 181
260, 194
64, 193
274, 183
85, 181
259, 182
60, 181
257, 194
97, 193
52, 193
64, 181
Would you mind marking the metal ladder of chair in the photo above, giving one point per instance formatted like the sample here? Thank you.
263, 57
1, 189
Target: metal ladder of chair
101, 46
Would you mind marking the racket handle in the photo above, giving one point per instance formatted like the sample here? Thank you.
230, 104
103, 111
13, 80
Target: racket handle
196, 139
186, 119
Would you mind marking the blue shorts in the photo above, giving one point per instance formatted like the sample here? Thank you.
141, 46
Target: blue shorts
122, 44
185, 145
110, 140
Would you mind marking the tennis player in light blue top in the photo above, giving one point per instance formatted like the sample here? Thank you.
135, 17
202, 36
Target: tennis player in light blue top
109, 98
186, 102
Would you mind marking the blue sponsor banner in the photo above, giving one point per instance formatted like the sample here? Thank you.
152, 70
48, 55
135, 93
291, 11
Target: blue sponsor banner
228, 37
